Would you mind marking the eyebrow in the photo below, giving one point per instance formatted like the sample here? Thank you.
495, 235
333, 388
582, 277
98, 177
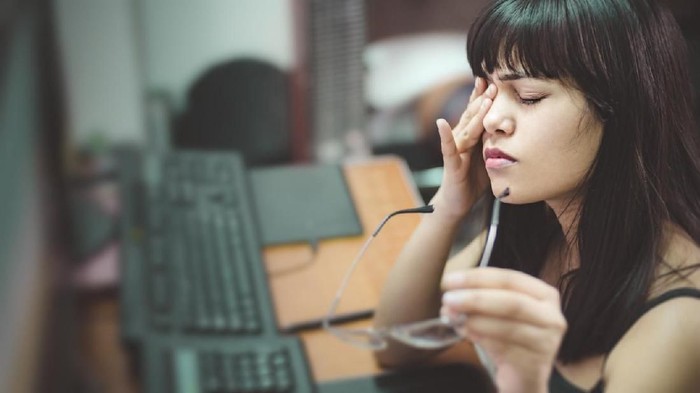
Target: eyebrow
511, 76
508, 76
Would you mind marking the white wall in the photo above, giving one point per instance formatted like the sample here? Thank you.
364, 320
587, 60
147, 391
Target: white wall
181, 38
96, 40
116, 51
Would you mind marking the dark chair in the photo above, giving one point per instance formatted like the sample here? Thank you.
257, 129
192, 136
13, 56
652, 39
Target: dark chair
242, 104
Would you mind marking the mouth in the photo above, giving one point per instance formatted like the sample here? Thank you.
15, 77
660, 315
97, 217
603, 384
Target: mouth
495, 158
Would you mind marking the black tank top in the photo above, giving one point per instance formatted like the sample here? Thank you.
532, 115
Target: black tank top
559, 384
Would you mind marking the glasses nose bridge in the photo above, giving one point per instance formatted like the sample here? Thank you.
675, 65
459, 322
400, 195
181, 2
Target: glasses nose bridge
369, 338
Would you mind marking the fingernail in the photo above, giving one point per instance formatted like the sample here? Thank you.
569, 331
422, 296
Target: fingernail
452, 316
453, 279
453, 298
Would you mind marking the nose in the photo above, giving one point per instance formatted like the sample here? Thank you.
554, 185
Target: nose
498, 120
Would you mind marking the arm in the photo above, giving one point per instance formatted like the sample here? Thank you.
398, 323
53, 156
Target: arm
412, 291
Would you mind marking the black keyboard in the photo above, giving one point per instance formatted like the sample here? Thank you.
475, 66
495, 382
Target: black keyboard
194, 288
272, 365
201, 252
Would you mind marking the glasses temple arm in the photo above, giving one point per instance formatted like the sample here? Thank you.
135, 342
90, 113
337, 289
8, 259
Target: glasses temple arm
491, 237
493, 229
346, 279
422, 209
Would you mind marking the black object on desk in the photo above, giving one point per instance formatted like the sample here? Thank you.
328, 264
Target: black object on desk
303, 203
449, 378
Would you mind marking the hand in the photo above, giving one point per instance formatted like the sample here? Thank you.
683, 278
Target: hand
464, 177
514, 317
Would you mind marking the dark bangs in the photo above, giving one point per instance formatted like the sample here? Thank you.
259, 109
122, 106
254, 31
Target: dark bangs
542, 39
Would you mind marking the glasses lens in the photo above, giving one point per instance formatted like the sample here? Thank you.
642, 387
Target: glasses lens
430, 334
364, 338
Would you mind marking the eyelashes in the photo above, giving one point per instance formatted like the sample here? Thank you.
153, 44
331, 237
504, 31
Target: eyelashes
524, 95
529, 100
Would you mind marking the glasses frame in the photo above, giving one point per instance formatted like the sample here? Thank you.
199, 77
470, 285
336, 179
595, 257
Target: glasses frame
438, 332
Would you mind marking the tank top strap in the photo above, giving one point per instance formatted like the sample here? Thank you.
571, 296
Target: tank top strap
666, 296
649, 305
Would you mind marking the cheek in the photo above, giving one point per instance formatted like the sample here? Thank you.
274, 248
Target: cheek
573, 136
558, 160
569, 147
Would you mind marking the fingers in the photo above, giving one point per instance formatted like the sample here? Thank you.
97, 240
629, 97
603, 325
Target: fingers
506, 305
503, 294
510, 333
468, 130
479, 88
466, 134
492, 277
462, 170
514, 317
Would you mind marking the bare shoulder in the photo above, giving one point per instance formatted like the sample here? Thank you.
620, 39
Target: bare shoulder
661, 352
681, 267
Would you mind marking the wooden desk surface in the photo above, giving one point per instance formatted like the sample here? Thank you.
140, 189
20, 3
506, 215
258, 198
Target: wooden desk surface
378, 187
303, 289
303, 284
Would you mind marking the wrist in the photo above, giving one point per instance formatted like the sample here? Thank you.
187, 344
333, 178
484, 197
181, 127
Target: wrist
442, 220
449, 212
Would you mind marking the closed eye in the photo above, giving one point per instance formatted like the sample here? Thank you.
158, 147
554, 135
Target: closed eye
529, 101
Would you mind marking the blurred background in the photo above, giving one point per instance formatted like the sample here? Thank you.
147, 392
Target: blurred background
283, 81
334, 74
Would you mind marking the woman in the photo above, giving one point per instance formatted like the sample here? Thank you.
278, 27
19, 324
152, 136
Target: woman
582, 110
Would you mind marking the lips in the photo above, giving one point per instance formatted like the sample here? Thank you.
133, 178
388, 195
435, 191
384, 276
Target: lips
496, 158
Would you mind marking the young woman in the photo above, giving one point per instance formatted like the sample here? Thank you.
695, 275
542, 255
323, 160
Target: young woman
582, 110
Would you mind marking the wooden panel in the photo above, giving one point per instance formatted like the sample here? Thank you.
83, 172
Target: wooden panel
303, 285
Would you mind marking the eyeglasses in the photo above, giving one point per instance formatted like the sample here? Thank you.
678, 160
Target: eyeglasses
429, 334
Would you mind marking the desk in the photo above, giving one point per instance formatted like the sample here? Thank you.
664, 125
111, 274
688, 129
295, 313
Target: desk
378, 187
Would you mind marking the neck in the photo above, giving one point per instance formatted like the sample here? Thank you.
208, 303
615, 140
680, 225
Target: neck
567, 213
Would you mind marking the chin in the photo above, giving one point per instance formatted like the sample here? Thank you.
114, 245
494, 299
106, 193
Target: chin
515, 196
497, 189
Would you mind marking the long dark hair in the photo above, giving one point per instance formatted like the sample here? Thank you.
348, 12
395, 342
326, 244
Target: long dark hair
628, 58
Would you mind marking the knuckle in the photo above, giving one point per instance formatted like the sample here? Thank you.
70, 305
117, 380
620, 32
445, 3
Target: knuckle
563, 324
560, 324
553, 294
515, 309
